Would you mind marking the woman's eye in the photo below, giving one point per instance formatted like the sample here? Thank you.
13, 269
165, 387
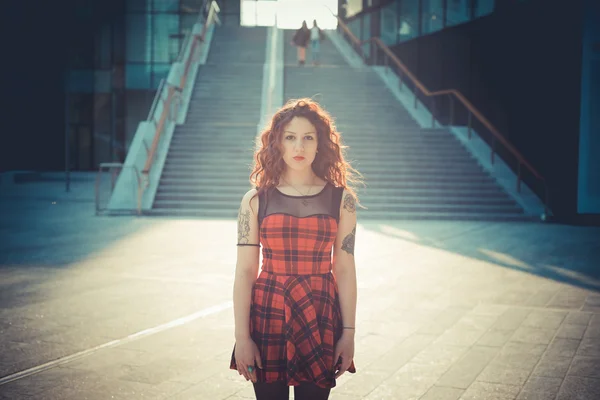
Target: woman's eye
309, 137
289, 137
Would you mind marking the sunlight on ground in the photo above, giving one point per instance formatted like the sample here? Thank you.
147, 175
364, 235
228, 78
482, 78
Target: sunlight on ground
390, 230
289, 13
505, 259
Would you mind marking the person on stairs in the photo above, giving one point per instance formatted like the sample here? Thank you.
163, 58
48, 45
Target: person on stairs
295, 320
300, 40
316, 36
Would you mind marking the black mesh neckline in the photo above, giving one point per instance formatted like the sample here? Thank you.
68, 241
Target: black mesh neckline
325, 202
305, 196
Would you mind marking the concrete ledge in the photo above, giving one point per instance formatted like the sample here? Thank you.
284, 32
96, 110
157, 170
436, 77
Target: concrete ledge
274, 60
187, 92
345, 49
406, 97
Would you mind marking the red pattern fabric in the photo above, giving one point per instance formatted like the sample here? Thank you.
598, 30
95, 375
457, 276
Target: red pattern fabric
295, 316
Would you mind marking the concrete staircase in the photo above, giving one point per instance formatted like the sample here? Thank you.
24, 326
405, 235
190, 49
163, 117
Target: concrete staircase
208, 163
410, 172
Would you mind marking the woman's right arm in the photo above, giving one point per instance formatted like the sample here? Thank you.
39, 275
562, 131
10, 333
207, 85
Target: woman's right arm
246, 269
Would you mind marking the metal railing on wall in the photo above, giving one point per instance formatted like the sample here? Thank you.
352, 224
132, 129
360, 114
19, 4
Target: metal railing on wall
381, 54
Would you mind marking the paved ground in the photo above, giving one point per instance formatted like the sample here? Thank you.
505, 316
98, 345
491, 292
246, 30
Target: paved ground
140, 308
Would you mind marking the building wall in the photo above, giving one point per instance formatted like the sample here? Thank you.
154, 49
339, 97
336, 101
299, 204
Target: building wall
589, 139
84, 69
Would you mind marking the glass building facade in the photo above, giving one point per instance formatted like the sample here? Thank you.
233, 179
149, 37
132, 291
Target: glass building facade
116, 61
401, 20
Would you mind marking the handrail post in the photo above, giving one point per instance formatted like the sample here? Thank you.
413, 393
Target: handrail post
469, 125
416, 97
493, 150
386, 63
519, 178
433, 112
97, 190
400, 80
451, 110
546, 198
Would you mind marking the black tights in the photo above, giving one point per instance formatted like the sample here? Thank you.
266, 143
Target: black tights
281, 391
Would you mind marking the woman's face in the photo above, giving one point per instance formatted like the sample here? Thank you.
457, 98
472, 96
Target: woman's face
299, 142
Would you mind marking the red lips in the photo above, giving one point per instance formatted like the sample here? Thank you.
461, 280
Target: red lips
298, 158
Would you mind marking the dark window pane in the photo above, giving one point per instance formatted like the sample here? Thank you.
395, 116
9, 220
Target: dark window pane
163, 26
409, 19
138, 5
137, 76
458, 12
432, 15
138, 37
166, 5
483, 7
389, 24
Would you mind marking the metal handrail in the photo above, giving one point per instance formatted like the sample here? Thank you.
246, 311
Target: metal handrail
358, 45
156, 99
172, 90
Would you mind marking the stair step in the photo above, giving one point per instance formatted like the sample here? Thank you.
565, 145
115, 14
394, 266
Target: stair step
391, 142
223, 153
439, 201
487, 185
400, 153
453, 191
243, 182
430, 178
188, 188
240, 182
361, 153
363, 167
220, 115
233, 203
214, 205
193, 213
383, 210
202, 166
365, 215
462, 208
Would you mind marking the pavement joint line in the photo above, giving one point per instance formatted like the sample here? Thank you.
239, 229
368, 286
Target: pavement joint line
135, 336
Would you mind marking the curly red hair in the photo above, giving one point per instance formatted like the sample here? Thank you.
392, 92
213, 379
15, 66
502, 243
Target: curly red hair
329, 164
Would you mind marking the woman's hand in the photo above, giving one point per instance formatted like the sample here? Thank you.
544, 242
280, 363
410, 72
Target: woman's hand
247, 355
344, 348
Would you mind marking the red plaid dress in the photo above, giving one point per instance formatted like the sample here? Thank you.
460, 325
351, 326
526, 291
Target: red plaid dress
295, 316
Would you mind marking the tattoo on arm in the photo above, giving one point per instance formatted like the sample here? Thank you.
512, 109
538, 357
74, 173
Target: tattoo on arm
243, 226
349, 203
348, 242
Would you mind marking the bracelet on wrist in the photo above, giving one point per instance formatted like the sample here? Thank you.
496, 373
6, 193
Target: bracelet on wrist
349, 327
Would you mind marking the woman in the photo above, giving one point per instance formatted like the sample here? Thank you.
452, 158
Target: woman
300, 40
297, 317
316, 35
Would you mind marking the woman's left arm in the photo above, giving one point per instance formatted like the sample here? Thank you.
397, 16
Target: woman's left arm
344, 270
